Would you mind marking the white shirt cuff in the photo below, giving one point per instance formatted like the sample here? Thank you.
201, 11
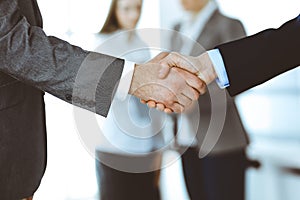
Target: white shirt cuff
217, 60
125, 81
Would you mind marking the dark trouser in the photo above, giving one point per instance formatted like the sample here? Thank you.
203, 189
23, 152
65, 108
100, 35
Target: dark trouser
118, 185
215, 177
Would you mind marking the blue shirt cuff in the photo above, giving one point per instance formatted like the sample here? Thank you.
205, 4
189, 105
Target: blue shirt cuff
217, 60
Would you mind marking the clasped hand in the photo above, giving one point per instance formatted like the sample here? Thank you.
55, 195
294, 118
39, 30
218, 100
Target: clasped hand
171, 82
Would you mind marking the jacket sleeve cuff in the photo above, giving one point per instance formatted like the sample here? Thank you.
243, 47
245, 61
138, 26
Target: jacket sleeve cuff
217, 60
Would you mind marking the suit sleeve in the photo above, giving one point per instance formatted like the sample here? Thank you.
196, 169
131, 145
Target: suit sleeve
68, 72
253, 60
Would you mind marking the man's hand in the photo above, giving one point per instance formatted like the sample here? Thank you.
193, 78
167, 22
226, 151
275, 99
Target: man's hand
176, 90
201, 66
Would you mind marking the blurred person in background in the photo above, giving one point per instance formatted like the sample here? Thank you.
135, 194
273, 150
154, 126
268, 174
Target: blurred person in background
128, 134
219, 175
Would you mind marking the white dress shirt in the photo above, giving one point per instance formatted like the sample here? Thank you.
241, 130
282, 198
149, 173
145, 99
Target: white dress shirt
193, 24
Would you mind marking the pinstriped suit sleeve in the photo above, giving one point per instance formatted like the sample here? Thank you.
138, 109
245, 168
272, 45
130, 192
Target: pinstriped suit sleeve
68, 72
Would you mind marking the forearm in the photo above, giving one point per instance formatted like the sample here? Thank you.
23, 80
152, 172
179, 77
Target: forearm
258, 58
53, 65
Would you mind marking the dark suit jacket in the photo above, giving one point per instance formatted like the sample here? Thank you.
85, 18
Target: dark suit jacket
30, 63
218, 29
258, 58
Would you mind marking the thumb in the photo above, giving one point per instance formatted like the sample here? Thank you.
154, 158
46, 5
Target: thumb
164, 71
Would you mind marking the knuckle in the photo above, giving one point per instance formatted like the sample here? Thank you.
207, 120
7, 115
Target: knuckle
168, 111
188, 103
200, 85
170, 102
178, 108
173, 54
203, 90
171, 97
196, 95
198, 82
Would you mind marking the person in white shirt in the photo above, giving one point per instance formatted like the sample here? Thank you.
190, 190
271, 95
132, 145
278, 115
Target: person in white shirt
126, 155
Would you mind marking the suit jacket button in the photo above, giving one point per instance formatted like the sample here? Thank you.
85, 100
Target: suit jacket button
69, 97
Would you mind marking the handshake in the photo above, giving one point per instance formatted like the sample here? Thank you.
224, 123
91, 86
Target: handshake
171, 81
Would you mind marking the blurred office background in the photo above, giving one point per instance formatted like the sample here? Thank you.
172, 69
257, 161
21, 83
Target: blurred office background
271, 112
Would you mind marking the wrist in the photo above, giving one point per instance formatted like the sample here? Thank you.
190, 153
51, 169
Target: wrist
206, 71
133, 84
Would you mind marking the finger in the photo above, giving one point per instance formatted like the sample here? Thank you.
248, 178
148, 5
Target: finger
175, 59
177, 108
191, 93
168, 110
184, 100
164, 71
196, 83
160, 106
151, 104
143, 101
192, 81
167, 63
203, 89
159, 57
